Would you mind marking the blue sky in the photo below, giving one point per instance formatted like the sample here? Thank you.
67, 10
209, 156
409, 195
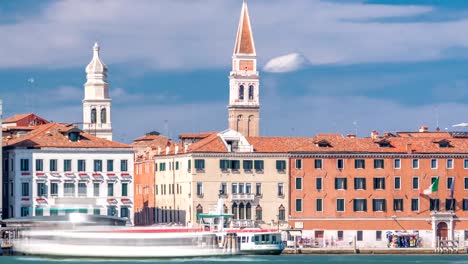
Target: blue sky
388, 65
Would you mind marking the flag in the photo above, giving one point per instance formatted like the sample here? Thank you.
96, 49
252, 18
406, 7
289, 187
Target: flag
452, 187
433, 188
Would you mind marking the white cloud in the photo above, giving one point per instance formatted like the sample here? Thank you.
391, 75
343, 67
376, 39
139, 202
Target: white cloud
286, 63
170, 35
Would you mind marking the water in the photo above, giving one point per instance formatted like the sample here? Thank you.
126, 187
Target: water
283, 259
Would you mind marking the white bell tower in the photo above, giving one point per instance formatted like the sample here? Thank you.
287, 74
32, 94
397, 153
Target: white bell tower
97, 102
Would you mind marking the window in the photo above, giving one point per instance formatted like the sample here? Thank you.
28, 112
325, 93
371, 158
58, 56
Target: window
397, 183
41, 189
199, 189
53, 189
298, 183
449, 182
224, 165
258, 189
465, 164
97, 165
82, 189
318, 163
360, 205
81, 165
126, 165
110, 189
53, 165
340, 205
378, 164
24, 211
280, 189
340, 235
397, 204
466, 183
124, 189
251, 92
25, 189
450, 204
449, 163
248, 188
96, 187
24, 164
199, 164
298, 205
241, 188
280, 165
415, 183
124, 212
359, 183
258, 213
96, 211
378, 235
340, 164
281, 213
359, 235
39, 211
379, 205
67, 165
73, 136
223, 188
235, 165
241, 92
112, 211
379, 183
234, 188
318, 184
359, 164
162, 166
319, 205
258, 165
340, 183
39, 165
110, 165
433, 163
298, 164
466, 235
397, 163
434, 204
93, 116
415, 204
465, 204
69, 189
189, 165
415, 163
247, 165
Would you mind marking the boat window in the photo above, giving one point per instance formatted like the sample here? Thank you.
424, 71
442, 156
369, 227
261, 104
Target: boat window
247, 240
263, 238
267, 238
273, 238
257, 238
244, 239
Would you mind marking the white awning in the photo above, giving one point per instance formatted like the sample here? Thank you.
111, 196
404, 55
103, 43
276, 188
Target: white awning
295, 233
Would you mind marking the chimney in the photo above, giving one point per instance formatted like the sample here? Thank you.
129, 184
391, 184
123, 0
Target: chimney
423, 129
374, 134
409, 149
167, 150
185, 148
350, 136
159, 150
176, 150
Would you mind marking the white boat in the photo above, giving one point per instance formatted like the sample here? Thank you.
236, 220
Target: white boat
120, 243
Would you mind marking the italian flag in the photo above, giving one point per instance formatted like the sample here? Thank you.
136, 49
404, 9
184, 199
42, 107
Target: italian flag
433, 188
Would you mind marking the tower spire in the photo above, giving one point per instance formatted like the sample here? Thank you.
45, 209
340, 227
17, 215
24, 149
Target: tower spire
244, 39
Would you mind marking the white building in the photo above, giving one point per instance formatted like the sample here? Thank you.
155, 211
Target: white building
97, 102
56, 169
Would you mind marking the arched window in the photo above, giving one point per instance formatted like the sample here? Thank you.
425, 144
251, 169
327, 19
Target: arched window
281, 213
258, 213
241, 211
248, 211
234, 211
199, 210
103, 116
93, 116
249, 125
239, 120
251, 92
241, 92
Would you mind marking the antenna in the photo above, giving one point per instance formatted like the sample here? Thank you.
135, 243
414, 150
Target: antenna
166, 127
355, 123
29, 102
437, 117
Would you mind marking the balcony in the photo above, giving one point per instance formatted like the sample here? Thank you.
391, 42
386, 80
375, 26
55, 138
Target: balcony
243, 197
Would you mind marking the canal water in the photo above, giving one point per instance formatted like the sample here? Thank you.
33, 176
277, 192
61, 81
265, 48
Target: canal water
283, 259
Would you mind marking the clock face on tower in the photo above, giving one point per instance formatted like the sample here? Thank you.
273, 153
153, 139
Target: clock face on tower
246, 65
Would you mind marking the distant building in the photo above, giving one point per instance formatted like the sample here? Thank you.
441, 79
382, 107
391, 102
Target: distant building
250, 173
24, 120
97, 102
244, 81
367, 188
55, 169
146, 147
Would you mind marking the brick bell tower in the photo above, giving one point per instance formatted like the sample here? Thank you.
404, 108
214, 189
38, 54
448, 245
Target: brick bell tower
244, 104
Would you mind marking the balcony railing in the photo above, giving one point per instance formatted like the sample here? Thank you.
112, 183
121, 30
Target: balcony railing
243, 197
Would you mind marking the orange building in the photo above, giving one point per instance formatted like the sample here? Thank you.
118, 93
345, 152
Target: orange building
146, 147
368, 189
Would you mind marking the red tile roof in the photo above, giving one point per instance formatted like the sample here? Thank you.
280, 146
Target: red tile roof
52, 135
196, 136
